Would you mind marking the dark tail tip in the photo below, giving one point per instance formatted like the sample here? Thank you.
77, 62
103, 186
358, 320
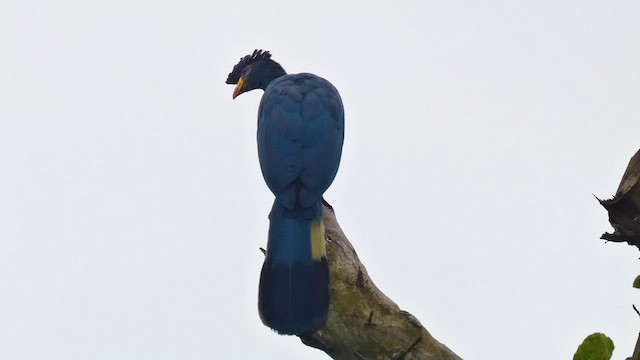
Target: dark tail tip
294, 299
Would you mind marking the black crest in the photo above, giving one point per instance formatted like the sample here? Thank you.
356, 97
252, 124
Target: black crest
257, 55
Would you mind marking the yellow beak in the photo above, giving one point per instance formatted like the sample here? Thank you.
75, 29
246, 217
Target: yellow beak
238, 88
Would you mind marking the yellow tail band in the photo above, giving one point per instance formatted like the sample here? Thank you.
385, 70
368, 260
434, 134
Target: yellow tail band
318, 244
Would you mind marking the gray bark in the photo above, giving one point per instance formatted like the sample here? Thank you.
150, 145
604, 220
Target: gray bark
363, 323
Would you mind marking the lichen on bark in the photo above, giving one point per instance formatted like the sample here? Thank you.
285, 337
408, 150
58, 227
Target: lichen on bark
363, 323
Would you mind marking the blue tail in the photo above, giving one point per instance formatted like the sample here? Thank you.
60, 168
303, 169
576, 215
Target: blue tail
294, 283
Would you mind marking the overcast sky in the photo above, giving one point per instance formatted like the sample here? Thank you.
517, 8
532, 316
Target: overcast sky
132, 205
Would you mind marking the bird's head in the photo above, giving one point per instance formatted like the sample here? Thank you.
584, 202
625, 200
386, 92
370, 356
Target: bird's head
254, 71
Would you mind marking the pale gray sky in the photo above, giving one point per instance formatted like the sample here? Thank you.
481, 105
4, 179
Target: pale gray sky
132, 205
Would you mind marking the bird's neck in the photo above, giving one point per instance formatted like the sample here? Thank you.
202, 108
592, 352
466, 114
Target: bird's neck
269, 71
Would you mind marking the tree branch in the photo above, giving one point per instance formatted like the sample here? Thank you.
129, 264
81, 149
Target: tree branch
363, 323
624, 207
624, 216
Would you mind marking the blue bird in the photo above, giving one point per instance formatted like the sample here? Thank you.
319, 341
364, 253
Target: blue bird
300, 135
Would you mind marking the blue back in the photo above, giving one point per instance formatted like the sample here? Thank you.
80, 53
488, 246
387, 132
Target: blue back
300, 135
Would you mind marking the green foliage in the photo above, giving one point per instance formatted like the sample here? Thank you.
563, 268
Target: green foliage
636, 282
596, 346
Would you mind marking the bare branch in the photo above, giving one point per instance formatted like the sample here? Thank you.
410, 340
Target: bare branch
350, 331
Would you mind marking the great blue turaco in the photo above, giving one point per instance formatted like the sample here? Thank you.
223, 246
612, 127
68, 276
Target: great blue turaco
300, 136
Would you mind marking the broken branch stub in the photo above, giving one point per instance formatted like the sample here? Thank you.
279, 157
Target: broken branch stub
624, 207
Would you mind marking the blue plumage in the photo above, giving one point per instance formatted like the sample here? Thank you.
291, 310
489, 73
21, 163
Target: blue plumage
300, 135
294, 288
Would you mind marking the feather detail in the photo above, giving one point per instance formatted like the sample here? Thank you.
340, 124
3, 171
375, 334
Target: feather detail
294, 282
